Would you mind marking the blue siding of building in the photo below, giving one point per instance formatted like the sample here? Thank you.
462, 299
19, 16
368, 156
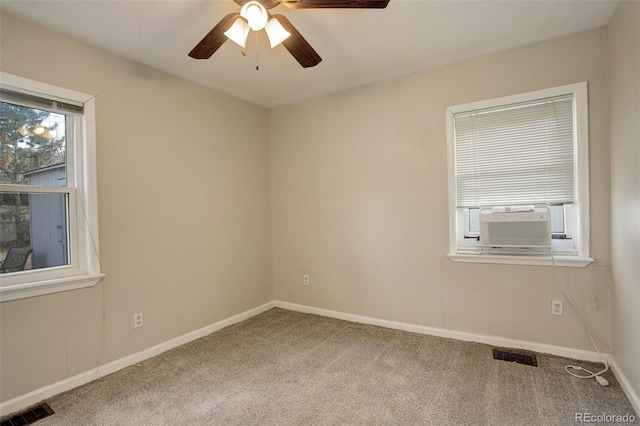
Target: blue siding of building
48, 220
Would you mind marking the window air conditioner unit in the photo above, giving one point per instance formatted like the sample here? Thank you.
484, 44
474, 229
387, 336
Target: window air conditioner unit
515, 227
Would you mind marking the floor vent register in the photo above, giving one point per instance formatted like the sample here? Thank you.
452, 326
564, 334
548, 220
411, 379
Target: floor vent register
514, 356
29, 416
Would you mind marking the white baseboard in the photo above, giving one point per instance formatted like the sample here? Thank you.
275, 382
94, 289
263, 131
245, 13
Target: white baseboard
633, 397
458, 335
23, 401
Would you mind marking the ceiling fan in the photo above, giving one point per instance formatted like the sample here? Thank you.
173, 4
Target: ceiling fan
254, 16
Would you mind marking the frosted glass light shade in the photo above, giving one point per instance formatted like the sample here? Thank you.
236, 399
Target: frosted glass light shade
255, 14
276, 32
238, 32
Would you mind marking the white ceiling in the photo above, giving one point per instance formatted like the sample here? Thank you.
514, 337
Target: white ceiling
357, 46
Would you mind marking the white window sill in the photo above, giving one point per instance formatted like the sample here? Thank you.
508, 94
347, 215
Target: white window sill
48, 286
537, 260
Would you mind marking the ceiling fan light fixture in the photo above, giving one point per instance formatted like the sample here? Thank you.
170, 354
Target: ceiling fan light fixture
276, 32
255, 14
238, 32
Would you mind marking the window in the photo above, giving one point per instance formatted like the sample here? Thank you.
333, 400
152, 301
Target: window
524, 150
47, 188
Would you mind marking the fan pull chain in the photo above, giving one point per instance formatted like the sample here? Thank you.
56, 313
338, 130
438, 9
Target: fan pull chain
257, 58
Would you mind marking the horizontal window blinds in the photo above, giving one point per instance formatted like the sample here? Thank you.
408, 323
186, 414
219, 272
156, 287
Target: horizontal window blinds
62, 106
516, 154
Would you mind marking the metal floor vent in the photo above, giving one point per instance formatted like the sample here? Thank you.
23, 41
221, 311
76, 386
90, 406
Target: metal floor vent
29, 416
519, 357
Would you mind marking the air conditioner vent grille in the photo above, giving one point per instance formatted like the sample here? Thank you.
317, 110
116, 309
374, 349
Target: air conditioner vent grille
521, 229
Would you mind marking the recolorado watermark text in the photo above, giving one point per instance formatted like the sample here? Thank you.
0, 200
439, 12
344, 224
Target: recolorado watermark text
604, 418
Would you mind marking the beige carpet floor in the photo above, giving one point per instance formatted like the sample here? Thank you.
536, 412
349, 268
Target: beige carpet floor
289, 368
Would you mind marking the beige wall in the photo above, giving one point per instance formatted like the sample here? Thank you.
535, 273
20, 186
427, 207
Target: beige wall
359, 199
624, 114
184, 211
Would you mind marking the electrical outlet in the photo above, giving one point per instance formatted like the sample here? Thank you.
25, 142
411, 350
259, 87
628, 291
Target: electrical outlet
556, 307
306, 280
137, 320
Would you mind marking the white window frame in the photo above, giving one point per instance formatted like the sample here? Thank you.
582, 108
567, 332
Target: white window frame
83, 269
457, 220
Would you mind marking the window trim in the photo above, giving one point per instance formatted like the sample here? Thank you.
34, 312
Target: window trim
83, 221
581, 258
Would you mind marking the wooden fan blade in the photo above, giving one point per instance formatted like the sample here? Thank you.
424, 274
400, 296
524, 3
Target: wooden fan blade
336, 4
216, 38
297, 45
268, 4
